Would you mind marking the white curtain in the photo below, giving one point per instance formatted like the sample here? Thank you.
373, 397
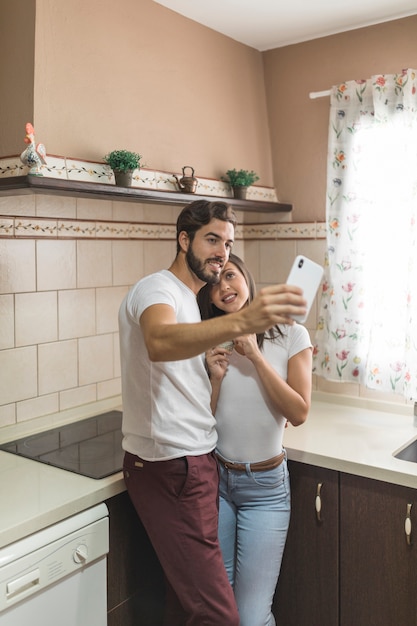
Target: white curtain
367, 330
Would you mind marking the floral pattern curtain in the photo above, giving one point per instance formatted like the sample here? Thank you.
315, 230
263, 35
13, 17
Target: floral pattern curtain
367, 327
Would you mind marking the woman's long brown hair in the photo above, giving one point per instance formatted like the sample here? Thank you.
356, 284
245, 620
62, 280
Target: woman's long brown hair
209, 310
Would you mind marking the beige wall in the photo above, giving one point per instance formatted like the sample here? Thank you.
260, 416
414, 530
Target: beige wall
104, 75
60, 292
17, 43
299, 125
132, 74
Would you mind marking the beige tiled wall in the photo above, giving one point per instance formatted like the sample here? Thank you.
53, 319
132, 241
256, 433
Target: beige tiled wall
65, 265
59, 298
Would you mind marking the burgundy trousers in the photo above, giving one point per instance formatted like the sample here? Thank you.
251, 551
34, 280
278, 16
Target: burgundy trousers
177, 502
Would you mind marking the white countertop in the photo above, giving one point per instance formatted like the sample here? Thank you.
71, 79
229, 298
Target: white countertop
34, 495
344, 437
357, 437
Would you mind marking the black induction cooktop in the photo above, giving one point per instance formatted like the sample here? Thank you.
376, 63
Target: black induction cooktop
91, 447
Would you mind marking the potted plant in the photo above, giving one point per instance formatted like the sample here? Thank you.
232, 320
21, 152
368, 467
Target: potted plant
123, 163
240, 180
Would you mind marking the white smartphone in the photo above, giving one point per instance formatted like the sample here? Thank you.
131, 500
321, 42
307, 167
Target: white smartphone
306, 274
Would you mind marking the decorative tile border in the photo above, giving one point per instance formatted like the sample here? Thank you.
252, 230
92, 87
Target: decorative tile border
12, 166
81, 170
6, 227
308, 230
89, 171
135, 231
321, 230
76, 229
114, 230
54, 168
17, 227
35, 228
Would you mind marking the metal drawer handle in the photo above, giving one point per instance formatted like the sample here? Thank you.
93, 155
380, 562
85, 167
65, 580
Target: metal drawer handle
407, 525
318, 502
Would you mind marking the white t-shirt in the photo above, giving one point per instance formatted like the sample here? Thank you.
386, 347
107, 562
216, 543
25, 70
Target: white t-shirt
249, 428
166, 405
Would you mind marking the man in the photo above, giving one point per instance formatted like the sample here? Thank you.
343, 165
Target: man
169, 431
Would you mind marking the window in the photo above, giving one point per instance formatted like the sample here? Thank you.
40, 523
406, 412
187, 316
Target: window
367, 330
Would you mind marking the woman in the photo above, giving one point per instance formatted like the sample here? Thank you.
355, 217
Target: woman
258, 384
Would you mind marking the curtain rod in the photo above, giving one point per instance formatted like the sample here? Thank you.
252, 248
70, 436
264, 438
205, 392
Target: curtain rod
319, 94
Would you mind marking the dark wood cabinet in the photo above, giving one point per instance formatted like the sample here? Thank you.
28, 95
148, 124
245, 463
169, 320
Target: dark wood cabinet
308, 589
348, 560
135, 585
378, 567
354, 566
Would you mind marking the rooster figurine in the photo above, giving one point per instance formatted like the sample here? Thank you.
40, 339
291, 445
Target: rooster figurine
33, 156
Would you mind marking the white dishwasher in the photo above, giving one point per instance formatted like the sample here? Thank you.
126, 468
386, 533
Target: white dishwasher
58, 576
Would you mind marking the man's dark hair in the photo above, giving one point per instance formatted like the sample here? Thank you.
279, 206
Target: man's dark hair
201, 212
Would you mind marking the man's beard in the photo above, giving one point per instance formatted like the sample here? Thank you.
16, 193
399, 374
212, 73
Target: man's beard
199, 269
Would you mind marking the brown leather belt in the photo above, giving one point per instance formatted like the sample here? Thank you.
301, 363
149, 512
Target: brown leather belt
261, 466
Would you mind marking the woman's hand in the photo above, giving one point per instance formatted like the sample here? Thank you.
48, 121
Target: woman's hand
217, 360
248, 346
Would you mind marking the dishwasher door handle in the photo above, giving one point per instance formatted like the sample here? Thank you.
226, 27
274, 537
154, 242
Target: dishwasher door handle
23, 583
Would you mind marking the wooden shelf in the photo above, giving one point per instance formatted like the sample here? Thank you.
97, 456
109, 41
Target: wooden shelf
16, 185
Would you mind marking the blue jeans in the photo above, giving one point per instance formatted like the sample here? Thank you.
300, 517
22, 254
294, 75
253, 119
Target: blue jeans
253, 523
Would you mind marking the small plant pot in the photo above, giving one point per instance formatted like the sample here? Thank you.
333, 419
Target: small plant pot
240, 192
123, 179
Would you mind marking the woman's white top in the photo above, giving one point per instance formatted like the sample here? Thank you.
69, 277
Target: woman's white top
249, 428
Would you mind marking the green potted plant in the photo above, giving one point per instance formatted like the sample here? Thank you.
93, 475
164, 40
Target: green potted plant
240, 180
123, 163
